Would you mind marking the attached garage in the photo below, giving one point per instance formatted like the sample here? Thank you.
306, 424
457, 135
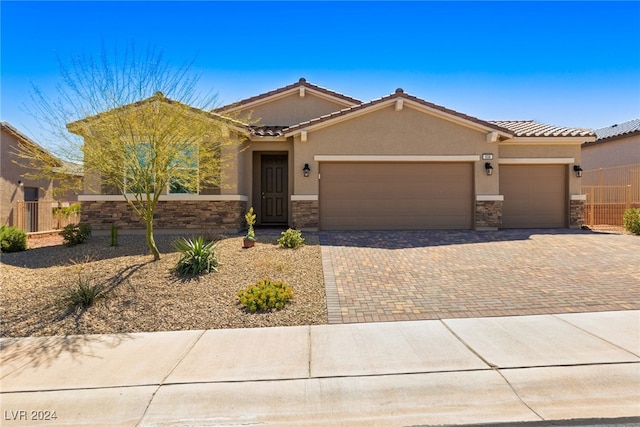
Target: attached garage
395, 196
535, 196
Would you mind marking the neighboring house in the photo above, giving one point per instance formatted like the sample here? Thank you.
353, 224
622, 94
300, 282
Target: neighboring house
615, 146
611, 179
318, 159
16, 186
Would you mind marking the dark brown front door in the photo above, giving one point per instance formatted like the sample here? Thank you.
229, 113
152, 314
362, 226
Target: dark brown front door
274, 189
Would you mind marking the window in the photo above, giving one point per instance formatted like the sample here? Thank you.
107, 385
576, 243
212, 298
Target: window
182, 169
185, 177
138, 173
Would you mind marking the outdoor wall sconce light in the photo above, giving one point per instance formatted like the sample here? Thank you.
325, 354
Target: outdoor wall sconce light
578, 170
306, 169
20, 184
488, 168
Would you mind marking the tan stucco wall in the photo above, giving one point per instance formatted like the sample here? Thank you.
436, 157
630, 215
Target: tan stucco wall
292, 109
390, 132
12, 172
542, 151
618, 152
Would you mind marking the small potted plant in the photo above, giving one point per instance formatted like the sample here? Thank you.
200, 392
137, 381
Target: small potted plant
250, 238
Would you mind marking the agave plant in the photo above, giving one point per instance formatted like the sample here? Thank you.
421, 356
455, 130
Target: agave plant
197, 256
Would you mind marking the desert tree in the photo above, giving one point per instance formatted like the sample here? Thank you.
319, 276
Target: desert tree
139, 127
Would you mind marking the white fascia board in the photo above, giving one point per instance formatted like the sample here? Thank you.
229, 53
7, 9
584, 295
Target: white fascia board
295, 90
304, 197
536, 161
164, 197
392, 158
489, 198
548, 140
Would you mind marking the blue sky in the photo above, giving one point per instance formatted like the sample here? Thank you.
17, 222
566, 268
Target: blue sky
564, 63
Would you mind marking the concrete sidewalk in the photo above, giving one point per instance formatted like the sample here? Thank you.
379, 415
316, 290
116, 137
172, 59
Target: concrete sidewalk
432, 372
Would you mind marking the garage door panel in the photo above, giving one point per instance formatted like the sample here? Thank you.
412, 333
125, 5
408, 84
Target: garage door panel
387, 223
535, 196
395, 196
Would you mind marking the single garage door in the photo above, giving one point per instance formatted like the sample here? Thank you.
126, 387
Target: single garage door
535, 196
396, 196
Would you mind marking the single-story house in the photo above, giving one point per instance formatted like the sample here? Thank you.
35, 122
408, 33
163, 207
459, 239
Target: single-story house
20, 182
318, 159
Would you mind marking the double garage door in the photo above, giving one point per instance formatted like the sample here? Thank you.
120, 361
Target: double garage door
396, 196
405, 196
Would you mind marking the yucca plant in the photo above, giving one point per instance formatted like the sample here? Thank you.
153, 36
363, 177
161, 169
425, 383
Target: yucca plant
197, 256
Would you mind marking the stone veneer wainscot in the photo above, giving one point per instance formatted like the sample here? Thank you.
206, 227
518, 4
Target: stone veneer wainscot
171, 213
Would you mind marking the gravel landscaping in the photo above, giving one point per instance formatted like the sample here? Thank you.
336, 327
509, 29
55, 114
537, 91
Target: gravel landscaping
145, 296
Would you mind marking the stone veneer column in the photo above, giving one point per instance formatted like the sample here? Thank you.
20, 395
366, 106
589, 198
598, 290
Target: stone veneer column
488, 214
576, 211
305, 214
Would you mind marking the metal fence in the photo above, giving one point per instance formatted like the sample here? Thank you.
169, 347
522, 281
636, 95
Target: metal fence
610, 192
44, 216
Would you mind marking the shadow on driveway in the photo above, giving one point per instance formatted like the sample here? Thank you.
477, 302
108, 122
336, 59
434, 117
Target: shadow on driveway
394, 239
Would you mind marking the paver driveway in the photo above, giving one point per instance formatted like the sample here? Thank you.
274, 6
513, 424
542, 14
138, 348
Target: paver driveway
412, 275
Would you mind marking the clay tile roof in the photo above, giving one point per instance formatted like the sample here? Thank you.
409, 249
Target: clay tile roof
274, 131
302, 82
531, 128
618, 130
399, 93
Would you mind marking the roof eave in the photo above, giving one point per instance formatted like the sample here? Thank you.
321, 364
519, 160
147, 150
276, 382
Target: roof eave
390, 100
321, 92
555, 140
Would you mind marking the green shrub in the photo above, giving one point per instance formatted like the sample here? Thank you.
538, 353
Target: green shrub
631, 220
197, 257
291, 239
265, 295
74, 234
82, 295
73, 209
12, 239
